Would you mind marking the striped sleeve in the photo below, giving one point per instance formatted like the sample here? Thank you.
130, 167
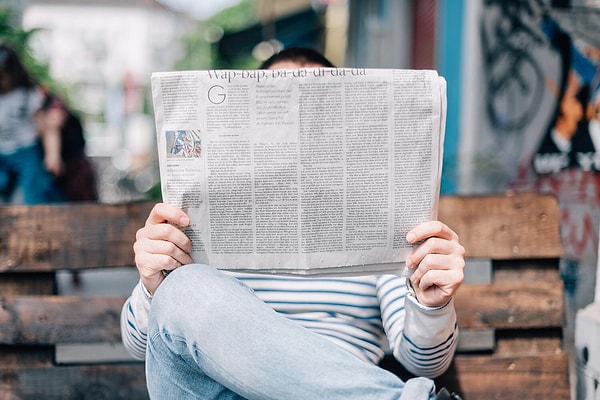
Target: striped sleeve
134, 322
423, 339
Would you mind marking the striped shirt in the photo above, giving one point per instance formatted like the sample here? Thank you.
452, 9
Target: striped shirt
366, 315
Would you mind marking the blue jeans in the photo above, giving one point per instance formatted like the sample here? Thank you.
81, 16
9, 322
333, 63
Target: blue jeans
210, 337
25, 169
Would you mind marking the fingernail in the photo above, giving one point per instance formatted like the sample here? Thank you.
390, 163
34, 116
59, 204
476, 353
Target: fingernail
184, 221
410, 237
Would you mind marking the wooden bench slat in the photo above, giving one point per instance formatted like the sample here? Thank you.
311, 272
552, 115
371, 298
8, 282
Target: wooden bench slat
26, 356
532, 270
26, 283
505, 227
52, 237
510, 304
533, 341
508, 378
59, 319
114, 382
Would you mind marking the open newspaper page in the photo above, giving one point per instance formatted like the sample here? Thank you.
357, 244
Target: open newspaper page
307, 171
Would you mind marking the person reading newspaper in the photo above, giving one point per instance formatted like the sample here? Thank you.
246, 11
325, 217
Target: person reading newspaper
207, 333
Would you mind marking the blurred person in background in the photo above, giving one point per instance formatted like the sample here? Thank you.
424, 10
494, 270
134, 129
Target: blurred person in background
77, 177
30, 139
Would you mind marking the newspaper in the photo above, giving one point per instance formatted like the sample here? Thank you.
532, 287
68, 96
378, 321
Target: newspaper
311, 171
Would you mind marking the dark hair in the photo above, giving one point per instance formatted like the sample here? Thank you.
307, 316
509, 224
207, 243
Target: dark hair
11, 65
300, 55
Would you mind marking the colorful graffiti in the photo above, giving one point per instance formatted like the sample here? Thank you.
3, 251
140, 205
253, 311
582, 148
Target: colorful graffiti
514, 78
542, 101
573, 135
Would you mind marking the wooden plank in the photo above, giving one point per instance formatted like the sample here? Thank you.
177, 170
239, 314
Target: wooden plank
505, 227
510, 342
532, 270
25, 283
59, 319
510, 305
532, 341
78, 235
114, 382
69, 236
26, 356
529, 377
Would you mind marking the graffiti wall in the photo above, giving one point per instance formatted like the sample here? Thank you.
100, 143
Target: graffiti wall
541, 124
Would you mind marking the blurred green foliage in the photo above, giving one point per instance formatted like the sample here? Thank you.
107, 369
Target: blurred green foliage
19, 40
236, 17
200, 44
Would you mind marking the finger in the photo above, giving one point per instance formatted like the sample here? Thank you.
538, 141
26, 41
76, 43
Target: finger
433, 295
429, 262
165, 232
432, 245
163, 212
446, 280
151, 265
150, 268
431, 229
169, 248
442, 262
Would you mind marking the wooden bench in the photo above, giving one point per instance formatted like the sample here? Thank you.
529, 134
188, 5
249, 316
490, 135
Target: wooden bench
35, 324
510, 308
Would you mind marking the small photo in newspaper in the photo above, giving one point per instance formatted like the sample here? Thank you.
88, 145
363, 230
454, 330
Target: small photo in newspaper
183, 144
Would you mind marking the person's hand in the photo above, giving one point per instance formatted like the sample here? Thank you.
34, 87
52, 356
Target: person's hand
49, 123
161, 245
438, 263
54, 164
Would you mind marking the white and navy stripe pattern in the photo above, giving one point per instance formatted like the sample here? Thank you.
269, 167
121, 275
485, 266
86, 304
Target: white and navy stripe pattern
353, 312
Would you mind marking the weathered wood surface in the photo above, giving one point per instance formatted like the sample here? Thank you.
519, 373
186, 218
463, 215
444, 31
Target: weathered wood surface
73, 236
522, 305
59, 319
26, 283
530, 377
94, 382
510, 305
505, 227
35, 242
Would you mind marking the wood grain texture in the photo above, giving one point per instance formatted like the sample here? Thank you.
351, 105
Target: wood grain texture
73, 236
98, 382
509, 377
510, 305
27, 283
505, 227
59, 319
522, 303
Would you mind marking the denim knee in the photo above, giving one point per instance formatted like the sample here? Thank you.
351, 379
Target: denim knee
195, 291
183, 284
